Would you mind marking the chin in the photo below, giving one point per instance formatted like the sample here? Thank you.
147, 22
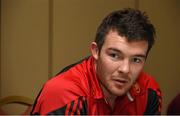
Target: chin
119, 92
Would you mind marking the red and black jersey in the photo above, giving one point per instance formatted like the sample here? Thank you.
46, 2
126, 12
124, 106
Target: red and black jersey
76, 90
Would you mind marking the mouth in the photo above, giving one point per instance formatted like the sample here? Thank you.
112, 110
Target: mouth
120, 82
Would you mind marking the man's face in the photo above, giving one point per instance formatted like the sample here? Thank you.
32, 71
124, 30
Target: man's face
119, 63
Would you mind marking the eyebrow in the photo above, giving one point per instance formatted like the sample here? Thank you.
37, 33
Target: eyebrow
119, 51
116, 50
142, 56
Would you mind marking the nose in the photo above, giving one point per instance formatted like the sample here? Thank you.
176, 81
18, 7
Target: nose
124, 66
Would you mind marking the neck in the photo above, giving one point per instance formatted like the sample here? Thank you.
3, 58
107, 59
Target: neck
109, 97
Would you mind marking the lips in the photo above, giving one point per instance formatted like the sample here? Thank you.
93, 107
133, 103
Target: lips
120, 82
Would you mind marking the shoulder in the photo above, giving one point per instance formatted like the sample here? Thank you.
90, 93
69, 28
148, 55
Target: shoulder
153, 92
72, 79
148, 82
58, 92
67, 84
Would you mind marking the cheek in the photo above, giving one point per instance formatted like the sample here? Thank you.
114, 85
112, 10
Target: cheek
104, 69
135, 72
108, 66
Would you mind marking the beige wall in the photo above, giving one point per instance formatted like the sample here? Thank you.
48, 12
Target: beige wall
40, 37
75, 23
163, 62
24, 46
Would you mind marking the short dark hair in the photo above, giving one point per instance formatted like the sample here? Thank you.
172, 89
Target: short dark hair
131, 23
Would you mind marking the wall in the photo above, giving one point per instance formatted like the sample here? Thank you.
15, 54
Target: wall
163, 62
75, 23
40, 37
24, 47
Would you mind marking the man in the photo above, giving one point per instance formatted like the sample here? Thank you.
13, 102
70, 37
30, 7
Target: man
111, 80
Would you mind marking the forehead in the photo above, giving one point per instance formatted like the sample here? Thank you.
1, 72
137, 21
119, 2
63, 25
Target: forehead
121, 43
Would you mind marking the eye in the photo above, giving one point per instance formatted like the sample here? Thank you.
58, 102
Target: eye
114, 55
137, 60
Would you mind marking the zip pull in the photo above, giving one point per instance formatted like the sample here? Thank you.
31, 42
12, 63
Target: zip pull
106, 101
130, 97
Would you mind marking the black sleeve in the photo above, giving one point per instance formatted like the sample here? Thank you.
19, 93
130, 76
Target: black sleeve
153, 103
76, 107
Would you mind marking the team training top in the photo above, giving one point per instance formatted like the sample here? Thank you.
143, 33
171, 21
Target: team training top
76, 90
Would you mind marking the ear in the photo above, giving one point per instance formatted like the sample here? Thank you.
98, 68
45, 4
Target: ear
94, 50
